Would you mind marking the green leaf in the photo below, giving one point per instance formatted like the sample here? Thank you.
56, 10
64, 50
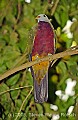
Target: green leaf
3, 4
57, 17
64, 18
67, 40
15, 93
2, 44
2, 69
62, 67
10, 53
13, 38
13, 80
18, 103
4, 87
40, 108
72, 66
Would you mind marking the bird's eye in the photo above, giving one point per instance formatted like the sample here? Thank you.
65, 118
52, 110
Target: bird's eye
44, 15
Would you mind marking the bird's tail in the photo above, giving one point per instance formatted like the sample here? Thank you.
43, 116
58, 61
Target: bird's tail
41, 90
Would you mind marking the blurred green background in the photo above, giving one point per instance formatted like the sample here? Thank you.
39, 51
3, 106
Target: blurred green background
17, 17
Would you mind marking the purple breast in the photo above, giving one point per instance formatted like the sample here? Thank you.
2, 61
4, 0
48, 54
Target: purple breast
44, 39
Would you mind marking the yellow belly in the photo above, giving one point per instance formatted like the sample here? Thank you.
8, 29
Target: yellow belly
40, 69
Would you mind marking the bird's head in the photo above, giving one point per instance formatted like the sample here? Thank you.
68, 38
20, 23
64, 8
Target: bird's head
42, 17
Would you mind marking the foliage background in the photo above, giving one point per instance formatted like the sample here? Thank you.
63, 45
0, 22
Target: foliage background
16, 20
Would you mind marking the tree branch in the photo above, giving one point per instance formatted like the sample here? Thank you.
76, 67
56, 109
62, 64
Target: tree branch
54, 7
71, 51
12, 89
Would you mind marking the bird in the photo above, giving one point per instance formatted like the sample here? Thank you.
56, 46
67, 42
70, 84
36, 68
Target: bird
43, 45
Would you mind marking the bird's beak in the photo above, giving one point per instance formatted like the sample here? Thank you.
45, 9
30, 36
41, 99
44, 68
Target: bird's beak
37, 17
